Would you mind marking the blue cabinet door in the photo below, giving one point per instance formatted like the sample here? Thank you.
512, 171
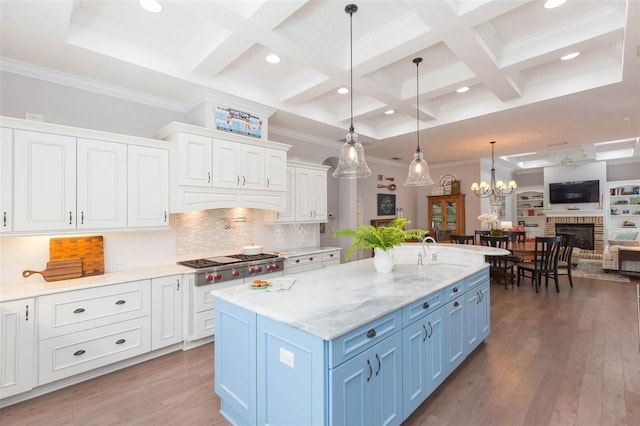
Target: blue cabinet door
484, 312
423, 359
455, 340
367, 389
235, 366
291, 375
478, 314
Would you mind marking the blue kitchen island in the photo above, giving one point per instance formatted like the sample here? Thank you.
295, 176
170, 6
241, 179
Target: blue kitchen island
347, 345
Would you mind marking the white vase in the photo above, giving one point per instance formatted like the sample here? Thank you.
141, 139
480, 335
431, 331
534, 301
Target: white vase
383, 260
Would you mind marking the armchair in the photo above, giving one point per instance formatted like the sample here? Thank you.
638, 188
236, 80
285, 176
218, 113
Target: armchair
627, 241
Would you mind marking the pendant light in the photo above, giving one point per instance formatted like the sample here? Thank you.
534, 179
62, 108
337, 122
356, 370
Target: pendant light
418, 169
352, 164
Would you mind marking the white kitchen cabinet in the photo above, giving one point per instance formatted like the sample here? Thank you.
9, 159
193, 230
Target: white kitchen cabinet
194, 160
238, 166
306, 195
17, 334
304, 263
148, 187
44, 181
311, 195
331, 258
275, 165
6, 179
166, 311
101, 184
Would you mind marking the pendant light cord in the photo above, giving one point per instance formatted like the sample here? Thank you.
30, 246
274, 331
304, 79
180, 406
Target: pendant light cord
417, 62
350, 9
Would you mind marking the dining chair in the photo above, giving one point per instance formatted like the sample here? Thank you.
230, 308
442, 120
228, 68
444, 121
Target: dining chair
516, 236
500, 267
566, 250
463, 239
544, 263
478, 233
443, 235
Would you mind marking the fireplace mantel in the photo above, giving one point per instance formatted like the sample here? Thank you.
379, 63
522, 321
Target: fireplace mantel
574, 213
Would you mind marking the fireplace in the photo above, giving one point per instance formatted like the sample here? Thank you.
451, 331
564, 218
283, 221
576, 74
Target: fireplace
583, 232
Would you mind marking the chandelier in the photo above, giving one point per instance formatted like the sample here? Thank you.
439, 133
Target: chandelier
495, 191
352, 163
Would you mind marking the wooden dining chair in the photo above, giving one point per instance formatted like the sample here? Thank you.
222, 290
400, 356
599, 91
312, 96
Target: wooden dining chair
516, 236
463, 239
501, 267
544, 263
478, 233
566, 251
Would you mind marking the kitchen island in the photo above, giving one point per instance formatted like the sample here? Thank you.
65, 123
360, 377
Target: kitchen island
346, 345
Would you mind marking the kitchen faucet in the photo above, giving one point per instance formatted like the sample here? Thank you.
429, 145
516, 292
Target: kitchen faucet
425, 246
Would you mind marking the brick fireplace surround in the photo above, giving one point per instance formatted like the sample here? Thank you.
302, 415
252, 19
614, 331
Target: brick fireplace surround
598, 232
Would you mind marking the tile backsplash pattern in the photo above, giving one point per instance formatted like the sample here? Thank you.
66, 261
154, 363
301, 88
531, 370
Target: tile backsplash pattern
213, 232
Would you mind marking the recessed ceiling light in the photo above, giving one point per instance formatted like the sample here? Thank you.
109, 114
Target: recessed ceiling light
343, 90
389, 111
569, 56
273, 59
552, 4
152, 6
462, 89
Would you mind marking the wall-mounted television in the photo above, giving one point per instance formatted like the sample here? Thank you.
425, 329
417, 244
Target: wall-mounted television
585, 191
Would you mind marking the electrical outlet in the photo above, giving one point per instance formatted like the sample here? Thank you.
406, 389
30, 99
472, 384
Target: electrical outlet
33, 116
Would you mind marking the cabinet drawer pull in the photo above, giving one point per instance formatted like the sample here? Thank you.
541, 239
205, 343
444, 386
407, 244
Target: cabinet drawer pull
70, 218
311, 259
80, 352
425, 305
455, 289
370, 371
81, 218
379, 364
268, 182
430, 330
208, 177
426, 333
371, 333
26, 313
120, 341
4, 219
244, 180
456, 304
120, 302
78, 311
297, 260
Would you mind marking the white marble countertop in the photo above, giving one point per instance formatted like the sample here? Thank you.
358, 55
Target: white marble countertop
33, 287
333, 301
303, 251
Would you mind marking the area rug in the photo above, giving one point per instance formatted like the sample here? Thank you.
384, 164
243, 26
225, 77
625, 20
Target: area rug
591, 268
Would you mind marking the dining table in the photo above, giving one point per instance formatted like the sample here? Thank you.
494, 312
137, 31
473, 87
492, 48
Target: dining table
526, 249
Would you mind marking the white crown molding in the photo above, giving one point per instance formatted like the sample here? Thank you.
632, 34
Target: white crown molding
219, 98
281, 131
77, 82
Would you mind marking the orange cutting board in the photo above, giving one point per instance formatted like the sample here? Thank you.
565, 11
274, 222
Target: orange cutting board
88, 249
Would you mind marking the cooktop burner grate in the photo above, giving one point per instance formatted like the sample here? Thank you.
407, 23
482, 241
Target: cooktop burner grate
252, 257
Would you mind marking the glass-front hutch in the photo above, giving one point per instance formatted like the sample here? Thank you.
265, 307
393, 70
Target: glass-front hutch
445, 216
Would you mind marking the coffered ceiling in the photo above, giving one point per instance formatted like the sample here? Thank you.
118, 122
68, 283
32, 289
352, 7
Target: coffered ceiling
539, 108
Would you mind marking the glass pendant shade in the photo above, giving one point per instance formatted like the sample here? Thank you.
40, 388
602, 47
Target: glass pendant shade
418, 171
352, 164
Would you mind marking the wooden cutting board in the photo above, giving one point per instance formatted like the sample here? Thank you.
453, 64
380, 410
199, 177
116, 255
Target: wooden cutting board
90, 250
58, 270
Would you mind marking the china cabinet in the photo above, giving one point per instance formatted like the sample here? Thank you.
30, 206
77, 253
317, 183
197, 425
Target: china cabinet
530, 210
445, 215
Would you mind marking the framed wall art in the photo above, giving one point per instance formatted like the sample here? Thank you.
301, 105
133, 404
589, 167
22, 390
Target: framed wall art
386, 204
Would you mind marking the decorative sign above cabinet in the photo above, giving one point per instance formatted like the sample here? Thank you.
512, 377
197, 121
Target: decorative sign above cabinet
241, 123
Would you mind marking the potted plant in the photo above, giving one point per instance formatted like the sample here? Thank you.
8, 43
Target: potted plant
381, 240
491, 221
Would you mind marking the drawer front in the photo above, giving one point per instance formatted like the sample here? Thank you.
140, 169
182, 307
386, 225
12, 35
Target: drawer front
302, 268
74, 311
454, 290
356, 341
71, 354
477, 278
331, 255
326, 264
203, 299
422, 307
204, 325
292, 262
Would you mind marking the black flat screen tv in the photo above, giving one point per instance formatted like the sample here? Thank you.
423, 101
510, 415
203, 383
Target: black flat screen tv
585, 191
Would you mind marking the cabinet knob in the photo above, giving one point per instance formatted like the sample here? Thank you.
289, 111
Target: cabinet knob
456, 304
78, 311
80, 352
455, 289
120, 341
425, 305
371, 333
120, 302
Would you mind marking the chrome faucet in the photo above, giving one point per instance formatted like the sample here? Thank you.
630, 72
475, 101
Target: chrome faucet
425, 241
419, 259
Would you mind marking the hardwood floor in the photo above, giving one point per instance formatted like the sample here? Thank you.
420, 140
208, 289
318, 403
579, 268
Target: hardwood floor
552, 359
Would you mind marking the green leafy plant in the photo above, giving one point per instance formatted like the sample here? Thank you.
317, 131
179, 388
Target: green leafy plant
383, 237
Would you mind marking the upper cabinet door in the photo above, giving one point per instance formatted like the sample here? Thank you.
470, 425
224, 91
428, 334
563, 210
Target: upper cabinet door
44, 181
194, 160
102, 184
275, 163
227, 164
148, 189
252, 167
6, 180
319, 190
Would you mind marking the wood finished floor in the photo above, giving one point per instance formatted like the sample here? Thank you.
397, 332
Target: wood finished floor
552, 359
